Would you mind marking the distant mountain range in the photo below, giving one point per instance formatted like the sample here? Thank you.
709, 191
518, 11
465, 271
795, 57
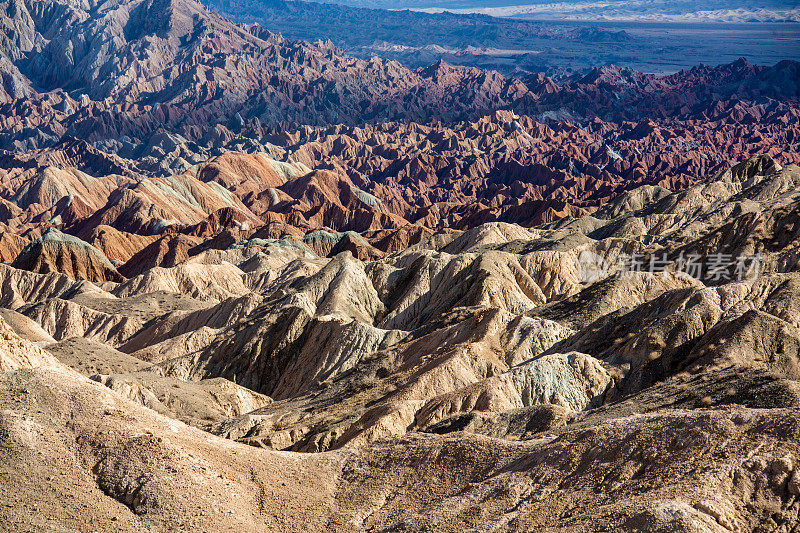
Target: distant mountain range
103, 73
309, 20
542, 37
709, 11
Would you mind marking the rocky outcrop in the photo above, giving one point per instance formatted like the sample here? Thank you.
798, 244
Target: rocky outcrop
10, 246
376, 189
633, 329
530, 354
57, 252
184, 137
118, 246
573, 381
204, 282
21, 287
63, 319
258, 68
166, 252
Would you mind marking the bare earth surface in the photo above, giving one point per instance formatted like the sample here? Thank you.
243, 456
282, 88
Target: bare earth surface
254, 284
477, 379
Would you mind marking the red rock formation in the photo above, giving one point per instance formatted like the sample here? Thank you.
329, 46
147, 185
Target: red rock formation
57, 252
10, 246
167, 251
118, 245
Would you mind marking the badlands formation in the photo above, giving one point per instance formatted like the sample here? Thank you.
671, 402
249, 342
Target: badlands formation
253, 284
227, 375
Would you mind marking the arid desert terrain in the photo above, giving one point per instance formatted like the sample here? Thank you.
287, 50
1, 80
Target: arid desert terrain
255, 284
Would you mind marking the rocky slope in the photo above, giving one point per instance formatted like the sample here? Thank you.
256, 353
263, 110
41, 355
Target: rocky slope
56, 252
518, 305
497, 377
